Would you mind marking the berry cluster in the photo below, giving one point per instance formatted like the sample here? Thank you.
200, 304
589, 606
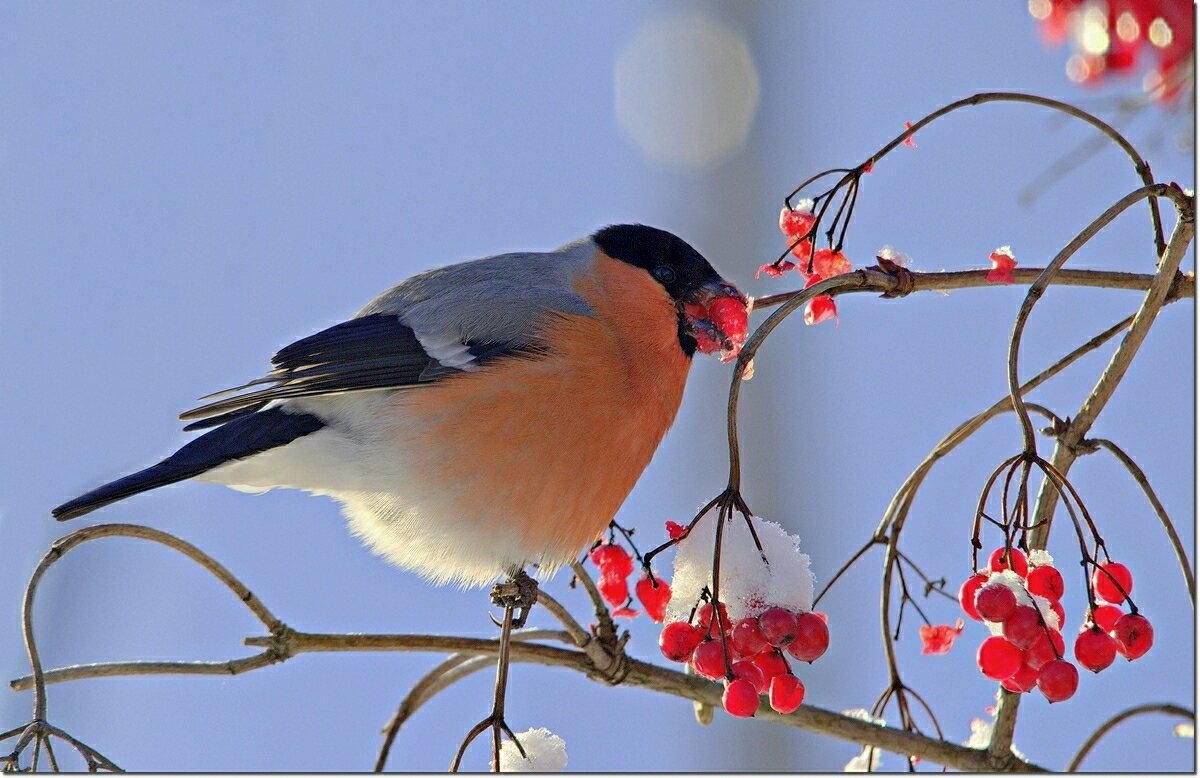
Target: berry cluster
729, 318
797, 225
1111, 36
1019, 602
756, 662
616, 565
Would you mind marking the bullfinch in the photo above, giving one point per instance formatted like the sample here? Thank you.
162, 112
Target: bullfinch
476, 418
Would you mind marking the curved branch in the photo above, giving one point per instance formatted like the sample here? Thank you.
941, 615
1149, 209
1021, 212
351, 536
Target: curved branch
68, 542
455, 668
1167, 708
1185, 566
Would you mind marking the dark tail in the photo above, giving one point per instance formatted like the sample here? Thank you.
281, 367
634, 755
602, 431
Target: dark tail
236, 439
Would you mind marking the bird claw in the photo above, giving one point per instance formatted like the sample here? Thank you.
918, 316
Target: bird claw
520, 593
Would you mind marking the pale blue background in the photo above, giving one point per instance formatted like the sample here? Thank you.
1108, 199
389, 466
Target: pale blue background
186, 187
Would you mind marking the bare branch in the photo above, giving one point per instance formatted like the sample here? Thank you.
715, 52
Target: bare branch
1090, 743
1185, 567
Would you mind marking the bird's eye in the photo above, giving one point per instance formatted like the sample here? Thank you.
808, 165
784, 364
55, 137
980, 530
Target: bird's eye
664, 274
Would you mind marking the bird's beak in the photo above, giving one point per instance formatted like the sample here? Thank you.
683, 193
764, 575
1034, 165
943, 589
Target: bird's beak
717, 315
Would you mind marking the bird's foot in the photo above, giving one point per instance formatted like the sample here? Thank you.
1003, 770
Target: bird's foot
519, 592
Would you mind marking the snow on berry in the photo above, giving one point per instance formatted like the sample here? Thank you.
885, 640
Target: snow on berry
795, 223
1039, 557
1002, 266
748, 587
545, 752
653, 598
938, 639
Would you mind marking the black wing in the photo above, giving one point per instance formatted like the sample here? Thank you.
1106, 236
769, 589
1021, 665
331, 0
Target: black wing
375, 351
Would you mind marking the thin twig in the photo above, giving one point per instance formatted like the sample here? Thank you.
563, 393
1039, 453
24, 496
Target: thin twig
1090, 743
1185, 566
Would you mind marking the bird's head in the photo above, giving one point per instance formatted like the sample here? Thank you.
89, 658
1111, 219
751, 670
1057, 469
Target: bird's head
712, 313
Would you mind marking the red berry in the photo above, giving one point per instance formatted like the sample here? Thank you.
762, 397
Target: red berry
999, 561
772, 663
614, 590
1105, 587
751, 672
1022, 681
740, 698
998, 659
778, 625
1105, 616
1023, 627
995, 602
675, 530
678, 640
704, 618
812, 637
653, 598
1134, 635
729, 314
795, 224
828, 263
786, 693
612, 560
708, 660
1058, 680
1045, 581
747, 639
1048, 647
1095, 649
966, 594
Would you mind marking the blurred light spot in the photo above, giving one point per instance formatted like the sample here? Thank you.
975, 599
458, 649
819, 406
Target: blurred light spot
1078, 68
1127, 27
1093, 36
1039, 9
1160, 33
686, 90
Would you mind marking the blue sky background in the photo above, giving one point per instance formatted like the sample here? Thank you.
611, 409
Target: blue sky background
187, 187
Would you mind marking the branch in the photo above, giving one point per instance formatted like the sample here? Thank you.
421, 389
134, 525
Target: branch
1167, 708
1066, 448
1185, 566
1184, 284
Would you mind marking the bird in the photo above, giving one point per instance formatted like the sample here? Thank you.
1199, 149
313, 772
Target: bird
476, 418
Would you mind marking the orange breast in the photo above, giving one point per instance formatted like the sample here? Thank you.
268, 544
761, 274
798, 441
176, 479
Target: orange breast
546, 449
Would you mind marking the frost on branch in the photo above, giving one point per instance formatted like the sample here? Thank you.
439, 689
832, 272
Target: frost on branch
748, 586
866, 761
545, 752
